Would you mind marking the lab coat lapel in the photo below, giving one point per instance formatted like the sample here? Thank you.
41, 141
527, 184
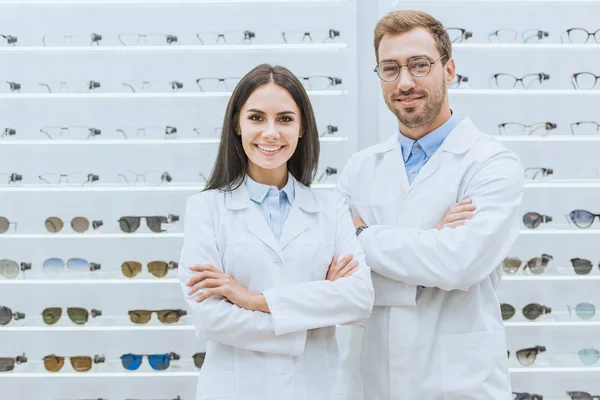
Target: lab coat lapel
301, 214
394, 163
239, 201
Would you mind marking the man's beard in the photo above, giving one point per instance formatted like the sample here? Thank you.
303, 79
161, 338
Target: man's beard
430, 111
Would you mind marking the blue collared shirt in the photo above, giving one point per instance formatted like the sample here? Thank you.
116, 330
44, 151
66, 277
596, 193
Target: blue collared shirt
273, 204
417, 153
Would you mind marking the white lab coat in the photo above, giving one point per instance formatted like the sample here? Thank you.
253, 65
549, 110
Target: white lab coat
449, 343
292, 352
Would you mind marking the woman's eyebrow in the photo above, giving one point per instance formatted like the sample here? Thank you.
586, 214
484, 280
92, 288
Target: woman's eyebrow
257, 111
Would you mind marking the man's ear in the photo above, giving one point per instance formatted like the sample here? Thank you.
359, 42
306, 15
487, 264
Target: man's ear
450, 70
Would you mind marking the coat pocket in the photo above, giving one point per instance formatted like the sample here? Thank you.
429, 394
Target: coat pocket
475, 366
216, 384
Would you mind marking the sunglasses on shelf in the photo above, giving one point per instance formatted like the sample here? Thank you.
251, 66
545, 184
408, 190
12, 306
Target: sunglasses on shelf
164, 316
583, 311
583, 396
131, 224
537, 265
7, 315
54, 363
527, 396
531, 311
54, 266
528, 356
157, 268
77, 315
9, 269
532, 220
5, 224
582, 266
7, 364
199, 359
582, 218
588, 356
79, 224
158, 362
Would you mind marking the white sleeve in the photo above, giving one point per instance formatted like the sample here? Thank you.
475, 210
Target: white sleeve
324, 303
458, 258
216, 318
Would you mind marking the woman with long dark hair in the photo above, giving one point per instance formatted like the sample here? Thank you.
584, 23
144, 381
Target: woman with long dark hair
259, 265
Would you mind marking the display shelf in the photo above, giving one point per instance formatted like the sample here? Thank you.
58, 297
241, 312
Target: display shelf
526, 46
522, 92
161, 142
298, 48
166, 95
158, 2
124, 188
560, 231
549, 138
90, 281
563, 184
551, 324
100, 375
124, 328
551, 278
90, 236
556, 370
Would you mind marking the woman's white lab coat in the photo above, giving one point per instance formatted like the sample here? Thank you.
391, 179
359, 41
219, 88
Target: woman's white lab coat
291, 353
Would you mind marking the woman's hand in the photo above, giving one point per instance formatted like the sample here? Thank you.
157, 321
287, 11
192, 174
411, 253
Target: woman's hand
219, 283
341, 268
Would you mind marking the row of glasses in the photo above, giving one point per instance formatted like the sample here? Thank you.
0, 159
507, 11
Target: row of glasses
544, 128
231, 37
582, 219
507, 35
584, 311
539, 264
204, 84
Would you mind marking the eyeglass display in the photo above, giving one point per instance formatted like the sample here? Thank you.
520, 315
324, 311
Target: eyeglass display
5, 225
211, 84
130, 224
68, 179
537, 265
164, 316
7, 315
327, 172
153, 86
532, 220
329, 130
9, 87
533, 173
526, 396
579, 36
511, 36
584, 311
146, 39
77, 315
158, 362
157, 268
582, 396
584, 80
297, 37
585, 128
7, 364
229, 37
459, 82
90, 39
54, 363
528, 81
70, 87
582, 218
78, 224
459, 35
146, 178
166, 132
582, 266
319, 82
74, 131
215, 131
199, 359
419, 66
588, 356
8, 132
54, 266
7, 179
528, 356
10, 269
8, 40
531, 311
517, 128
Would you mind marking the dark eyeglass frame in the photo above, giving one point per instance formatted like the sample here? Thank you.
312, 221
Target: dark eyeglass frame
584, 269
247, 36
199, 359
152, 268
5, 264
9, 315
524, 354
537, 219
542, 76
583, 396
333, 81
571, 218
51, 315
13, 86
11, 362
12, 178
593, 34
538, 170
162, 315
527, 396
400, 67
464, 34
531, 311
331, 35
151, 360
169, 39
5, 224
575, 83
154, 222
10, 39
542, 260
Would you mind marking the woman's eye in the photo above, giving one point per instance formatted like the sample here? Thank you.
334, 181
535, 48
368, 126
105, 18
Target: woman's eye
255, 118
286, 119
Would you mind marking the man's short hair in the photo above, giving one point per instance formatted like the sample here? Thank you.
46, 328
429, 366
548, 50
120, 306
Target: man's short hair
402, 21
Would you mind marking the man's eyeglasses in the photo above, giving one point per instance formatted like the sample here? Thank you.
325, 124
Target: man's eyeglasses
389, 71
231, 37
516, 128
579, 36
529, 81
296, 37
92, 39
510, 36
458, 35
584, 80
147, 39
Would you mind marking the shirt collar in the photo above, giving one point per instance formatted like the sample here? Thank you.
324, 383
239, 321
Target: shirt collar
258, 191
430, 142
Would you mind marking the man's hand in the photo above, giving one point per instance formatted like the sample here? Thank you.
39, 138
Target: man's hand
358, 222
341, 268
219, 283
457, 215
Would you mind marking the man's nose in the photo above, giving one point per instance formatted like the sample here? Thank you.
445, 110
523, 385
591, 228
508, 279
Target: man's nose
405, 81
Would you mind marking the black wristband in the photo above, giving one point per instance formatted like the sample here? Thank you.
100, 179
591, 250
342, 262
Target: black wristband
360, 229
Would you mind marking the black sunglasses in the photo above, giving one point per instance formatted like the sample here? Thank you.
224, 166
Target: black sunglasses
582, 219
531, 311
533, 219
130, 224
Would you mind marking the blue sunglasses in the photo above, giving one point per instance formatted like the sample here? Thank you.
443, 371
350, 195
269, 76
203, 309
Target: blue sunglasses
158, 362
